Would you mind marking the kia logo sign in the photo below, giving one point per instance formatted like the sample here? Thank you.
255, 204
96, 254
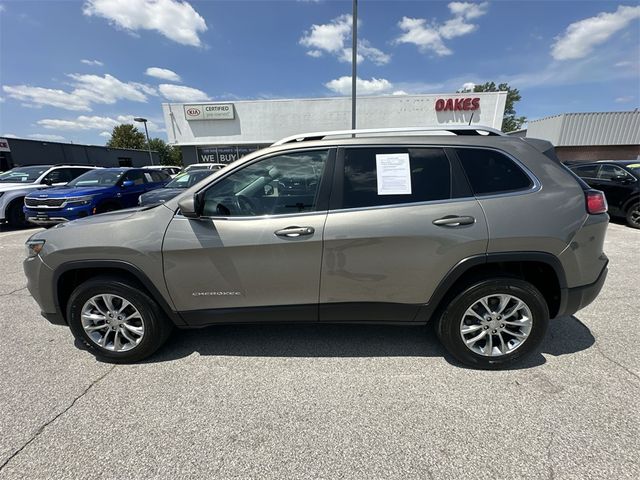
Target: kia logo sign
457, 104
193, 112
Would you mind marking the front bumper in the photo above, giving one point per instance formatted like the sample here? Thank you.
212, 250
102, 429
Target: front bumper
577, 298
55, 216
40, 286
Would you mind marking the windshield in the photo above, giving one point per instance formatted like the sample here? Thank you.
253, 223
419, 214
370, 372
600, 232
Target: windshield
23, 174
635, 168
187, 179
98, 178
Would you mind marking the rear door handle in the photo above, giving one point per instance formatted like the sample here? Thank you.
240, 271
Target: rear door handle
454, 221
293, 232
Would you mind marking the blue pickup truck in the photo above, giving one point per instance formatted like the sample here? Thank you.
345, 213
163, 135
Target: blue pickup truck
98, 191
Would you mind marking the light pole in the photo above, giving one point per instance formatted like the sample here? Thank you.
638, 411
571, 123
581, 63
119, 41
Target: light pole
144, 120
354, 62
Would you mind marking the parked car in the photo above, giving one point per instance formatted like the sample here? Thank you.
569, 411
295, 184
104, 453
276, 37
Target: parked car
618, 179
175, 187
97, 191
16, 183
487, 235
170, 170
203, 166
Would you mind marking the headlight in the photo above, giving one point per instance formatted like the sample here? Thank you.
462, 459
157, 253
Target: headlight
80, 200
34, 247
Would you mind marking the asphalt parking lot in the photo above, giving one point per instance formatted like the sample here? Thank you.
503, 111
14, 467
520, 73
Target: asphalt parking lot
323, 402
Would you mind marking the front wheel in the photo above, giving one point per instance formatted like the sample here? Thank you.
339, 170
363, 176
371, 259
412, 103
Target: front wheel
633, 216
116, 320
494, 323
15, 214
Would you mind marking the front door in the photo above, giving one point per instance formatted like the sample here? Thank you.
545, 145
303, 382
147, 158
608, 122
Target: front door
255, 253
399, 220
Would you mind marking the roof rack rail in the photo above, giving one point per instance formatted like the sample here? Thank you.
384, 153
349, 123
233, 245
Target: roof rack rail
456, 130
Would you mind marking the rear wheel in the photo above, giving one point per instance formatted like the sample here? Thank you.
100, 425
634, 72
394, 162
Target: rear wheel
116, 320
633, 216
494, 323
15, 213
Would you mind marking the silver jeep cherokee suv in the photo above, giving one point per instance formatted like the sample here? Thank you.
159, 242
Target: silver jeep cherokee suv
487, 235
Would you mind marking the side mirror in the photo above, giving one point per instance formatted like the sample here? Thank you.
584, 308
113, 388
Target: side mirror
46, 181
127, 183
188, 206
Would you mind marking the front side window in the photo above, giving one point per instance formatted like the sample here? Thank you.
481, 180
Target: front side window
609, 172
276, 185
388, 176
135, 176
491, 172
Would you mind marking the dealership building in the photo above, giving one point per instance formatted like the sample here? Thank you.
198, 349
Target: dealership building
221, 132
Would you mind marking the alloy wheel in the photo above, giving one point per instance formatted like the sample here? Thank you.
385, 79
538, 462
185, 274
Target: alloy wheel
112, 322
496, 325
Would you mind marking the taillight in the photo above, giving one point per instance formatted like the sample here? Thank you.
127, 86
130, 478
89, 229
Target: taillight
596, 202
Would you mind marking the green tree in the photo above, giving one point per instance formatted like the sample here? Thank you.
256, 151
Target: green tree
168, 154
127, 136
510, 121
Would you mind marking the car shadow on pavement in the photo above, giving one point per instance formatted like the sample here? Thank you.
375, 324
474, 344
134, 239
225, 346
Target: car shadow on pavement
566, 335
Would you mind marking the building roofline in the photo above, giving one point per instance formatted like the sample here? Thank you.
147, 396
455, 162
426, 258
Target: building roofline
77, 144
584, 114
320, 99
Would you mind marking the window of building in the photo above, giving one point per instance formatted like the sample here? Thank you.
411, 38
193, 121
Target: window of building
492, 172
429, 169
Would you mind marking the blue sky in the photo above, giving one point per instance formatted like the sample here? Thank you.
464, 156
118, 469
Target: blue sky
70, 70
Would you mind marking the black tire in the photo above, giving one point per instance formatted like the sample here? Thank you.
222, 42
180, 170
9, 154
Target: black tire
157, 326
15, 214
449, 323
633, 215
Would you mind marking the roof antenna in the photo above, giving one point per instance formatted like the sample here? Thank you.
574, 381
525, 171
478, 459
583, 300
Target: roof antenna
471, 118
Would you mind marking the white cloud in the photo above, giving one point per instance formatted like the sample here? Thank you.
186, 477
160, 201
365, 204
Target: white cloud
399, 92
342, 85
46, 136
429, 37
94, 122
9, 135
180, 93
628, 99
38, 96
624, 63
163, 73
468, 10
95, 63
175, 19
334, 38
87, 90
105, 134
467, 87
580, 38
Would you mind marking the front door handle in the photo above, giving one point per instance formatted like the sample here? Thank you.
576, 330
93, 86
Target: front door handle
454, 221
293, 232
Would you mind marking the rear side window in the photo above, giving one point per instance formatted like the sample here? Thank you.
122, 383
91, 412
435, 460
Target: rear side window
492, 172
587, 171
428, 176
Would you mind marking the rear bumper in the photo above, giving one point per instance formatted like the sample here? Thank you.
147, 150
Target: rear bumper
577, 298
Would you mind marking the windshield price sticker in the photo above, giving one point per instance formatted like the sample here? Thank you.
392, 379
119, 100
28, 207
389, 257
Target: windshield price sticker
394, 174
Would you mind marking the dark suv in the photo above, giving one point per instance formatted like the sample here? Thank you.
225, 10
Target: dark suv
618, 180
487, 235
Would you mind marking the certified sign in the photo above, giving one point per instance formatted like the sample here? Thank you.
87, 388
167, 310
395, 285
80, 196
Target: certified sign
211, 111
4, 145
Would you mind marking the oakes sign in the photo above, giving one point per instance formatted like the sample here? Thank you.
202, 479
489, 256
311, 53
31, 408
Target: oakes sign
456, 104
217, 111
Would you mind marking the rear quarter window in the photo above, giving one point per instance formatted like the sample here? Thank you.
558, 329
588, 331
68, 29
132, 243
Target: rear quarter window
492, 172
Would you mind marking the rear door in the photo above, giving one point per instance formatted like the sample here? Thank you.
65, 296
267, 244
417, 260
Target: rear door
400, 219
255, 253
